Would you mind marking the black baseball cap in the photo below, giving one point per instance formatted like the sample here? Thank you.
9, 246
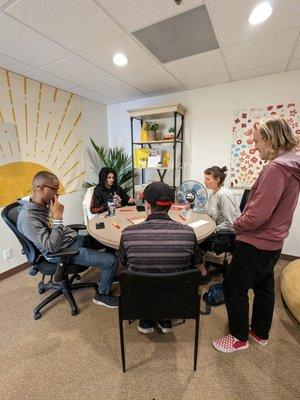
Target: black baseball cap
159, 193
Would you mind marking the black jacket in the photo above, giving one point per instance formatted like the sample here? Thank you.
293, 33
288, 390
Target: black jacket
101, 195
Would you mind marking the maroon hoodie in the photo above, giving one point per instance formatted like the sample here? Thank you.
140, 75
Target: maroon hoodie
268, 214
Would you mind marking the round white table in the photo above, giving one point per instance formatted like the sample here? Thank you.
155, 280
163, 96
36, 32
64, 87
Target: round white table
111, 234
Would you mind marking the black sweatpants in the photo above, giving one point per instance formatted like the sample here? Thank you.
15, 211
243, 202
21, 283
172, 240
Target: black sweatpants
250, 268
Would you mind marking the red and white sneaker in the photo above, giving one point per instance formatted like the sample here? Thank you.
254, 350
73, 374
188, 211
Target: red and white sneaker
258, 339
229, 344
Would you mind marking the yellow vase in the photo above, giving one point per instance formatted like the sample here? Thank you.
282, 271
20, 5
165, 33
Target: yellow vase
144, 136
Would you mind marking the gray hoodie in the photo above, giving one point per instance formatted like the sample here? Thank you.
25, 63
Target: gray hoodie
35, 223
222, 208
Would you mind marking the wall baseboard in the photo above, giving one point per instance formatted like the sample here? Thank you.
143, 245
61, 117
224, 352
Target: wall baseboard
20, 267
288, 257
13, 271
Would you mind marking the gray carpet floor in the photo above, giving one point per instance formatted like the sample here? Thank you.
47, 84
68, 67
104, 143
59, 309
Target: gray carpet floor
65, 357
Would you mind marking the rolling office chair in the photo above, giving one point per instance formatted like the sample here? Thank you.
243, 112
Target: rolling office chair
159, 296
226, 248
61, 274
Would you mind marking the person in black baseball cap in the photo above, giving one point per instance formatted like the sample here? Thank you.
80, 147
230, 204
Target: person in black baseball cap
160, 195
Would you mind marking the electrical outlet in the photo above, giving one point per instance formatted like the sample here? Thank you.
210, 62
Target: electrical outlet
7, 254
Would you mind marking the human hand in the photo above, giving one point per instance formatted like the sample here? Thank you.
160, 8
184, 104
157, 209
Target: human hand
56, 208
131, 200
117, 200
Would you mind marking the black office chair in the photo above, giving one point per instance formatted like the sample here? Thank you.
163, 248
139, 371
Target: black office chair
159, 296
228, 247
61, 274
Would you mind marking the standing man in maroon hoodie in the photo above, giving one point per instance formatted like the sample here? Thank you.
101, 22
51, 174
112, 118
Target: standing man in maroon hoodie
261, 230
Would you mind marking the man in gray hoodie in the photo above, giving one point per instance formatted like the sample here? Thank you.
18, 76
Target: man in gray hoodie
260, 233
41, 221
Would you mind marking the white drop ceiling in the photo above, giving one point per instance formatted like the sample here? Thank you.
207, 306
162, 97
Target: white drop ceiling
69, 44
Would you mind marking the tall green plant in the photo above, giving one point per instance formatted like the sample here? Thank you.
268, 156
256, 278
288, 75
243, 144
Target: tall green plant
115, 158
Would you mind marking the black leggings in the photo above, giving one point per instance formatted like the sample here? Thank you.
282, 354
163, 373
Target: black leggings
250, 268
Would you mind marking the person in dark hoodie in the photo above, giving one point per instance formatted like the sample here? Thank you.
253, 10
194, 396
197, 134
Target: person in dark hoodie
40, 219
107, 189
261, 230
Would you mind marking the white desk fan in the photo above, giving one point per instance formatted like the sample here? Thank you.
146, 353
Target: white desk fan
192, 193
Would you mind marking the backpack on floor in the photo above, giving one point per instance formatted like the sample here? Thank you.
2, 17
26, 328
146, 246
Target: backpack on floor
213, 297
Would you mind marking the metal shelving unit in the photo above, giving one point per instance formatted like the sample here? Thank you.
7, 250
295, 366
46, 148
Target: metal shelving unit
174, 111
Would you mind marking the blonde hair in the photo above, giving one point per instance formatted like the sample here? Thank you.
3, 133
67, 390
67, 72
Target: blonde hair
279, 134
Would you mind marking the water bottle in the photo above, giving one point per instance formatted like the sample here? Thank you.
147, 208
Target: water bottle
111, 207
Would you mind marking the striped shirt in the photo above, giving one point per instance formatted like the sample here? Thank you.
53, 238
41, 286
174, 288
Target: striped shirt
158, 245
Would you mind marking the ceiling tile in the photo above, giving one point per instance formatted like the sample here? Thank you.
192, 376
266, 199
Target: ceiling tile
253, 54
251, 73
295, 64
88, 94
14, 65
209, 81
285, 16
25, 45
75, 24
77, 70
102, 55
2, 2
117, 90
150, 79
193, 71
51, 80
181, 36
136, 14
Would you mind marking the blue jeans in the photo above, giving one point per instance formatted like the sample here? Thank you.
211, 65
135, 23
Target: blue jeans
87, 257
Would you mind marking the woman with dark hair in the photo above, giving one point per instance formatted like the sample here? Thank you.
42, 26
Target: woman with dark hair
106, 189
221, 207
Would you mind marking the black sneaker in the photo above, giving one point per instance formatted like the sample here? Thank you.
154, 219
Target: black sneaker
106, 300
165, 325
145, 326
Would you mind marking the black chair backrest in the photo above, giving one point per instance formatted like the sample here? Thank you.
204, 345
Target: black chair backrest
10, 216
244, 199
159, 296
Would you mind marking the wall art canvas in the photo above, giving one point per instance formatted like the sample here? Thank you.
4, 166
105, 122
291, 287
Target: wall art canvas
40, 129
245, 161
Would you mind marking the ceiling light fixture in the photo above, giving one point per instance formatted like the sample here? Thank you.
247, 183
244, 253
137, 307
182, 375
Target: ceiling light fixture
260, 13
120, 59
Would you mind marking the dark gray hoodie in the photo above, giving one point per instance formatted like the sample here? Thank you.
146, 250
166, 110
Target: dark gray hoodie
49, 237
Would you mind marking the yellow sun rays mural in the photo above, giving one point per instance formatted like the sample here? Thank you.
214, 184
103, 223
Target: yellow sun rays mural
40, 129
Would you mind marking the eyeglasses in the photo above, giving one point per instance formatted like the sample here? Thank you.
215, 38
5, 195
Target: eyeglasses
50, 187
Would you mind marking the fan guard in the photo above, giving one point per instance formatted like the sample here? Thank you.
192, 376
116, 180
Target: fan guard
192, 193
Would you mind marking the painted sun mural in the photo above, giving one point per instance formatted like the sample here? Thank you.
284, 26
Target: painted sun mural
40, 129
245, 161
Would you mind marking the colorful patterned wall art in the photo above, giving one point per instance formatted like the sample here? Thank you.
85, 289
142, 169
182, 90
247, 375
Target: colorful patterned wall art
40, 129
245, 161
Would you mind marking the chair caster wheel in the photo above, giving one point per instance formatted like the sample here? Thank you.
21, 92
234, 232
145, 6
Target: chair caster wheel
37, 316
41, 287
74, 312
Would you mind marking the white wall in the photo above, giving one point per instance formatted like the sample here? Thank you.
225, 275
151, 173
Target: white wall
208, 123
94, 124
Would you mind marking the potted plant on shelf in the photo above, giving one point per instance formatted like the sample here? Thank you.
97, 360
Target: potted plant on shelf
148, 131
170, 134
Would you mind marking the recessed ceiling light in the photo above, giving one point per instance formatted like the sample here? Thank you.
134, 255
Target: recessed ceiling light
120, 59
260, 13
